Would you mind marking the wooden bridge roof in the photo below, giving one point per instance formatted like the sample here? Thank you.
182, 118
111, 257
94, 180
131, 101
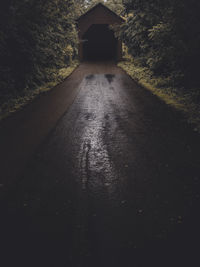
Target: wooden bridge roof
100, 5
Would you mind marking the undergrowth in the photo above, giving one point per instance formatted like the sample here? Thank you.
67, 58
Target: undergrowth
180, 98
15, 101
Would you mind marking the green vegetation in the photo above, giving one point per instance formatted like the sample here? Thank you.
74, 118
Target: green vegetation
37, 39
18, 100
38, 47
162, 39
177, 97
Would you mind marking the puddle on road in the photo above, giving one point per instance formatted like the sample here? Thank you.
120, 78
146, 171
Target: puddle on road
110, 77
96, 169
89, 77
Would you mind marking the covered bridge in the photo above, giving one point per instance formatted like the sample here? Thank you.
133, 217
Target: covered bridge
96, 39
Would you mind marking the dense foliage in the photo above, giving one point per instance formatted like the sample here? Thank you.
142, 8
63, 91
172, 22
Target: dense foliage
165, 37
37, 37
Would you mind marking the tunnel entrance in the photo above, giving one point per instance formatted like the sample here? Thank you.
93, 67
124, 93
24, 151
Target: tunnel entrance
99, 43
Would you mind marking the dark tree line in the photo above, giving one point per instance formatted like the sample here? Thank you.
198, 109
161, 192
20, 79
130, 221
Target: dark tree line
165, 37
35, 36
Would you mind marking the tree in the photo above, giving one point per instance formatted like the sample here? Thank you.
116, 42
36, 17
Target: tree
34, 36
164, 36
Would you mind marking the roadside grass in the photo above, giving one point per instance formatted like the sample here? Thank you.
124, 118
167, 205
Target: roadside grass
180, 98
16, 102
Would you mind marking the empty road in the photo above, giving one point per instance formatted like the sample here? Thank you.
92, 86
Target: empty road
115, 183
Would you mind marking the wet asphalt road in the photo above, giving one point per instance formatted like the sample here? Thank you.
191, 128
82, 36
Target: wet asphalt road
115, 184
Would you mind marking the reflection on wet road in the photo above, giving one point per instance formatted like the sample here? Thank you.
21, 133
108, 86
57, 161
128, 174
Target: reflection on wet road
116, 180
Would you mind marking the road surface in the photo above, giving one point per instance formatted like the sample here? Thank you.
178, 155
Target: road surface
114, 184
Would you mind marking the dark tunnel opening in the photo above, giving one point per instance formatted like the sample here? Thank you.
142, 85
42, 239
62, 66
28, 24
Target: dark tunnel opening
99, 43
